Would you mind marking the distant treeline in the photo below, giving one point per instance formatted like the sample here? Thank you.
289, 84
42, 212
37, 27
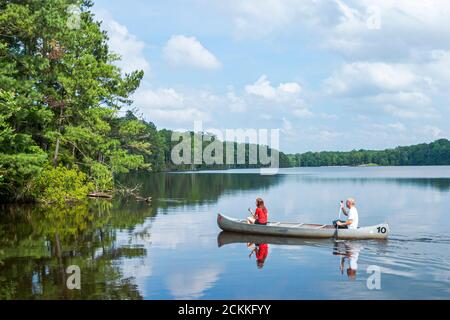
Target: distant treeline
161, 145
435, 153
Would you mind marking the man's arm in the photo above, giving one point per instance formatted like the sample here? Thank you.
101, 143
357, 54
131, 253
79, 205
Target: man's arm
343, 209
346, 223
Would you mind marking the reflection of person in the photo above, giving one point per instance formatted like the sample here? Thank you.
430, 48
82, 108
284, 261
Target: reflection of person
260, 215
351, 254
261, 251
352, 214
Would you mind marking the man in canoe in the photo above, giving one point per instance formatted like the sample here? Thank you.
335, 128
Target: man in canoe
260, 215
352, 214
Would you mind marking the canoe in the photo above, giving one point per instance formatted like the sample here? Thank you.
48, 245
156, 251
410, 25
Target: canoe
302, 230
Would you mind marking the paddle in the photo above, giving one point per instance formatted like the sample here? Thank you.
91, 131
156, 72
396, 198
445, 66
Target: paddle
340, 209
251, 212
339, 218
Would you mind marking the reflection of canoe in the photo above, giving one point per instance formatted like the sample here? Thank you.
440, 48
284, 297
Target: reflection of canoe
226, 237
302, 230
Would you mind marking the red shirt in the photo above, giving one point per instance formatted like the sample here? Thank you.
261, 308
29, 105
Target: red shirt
261, 215
262, 252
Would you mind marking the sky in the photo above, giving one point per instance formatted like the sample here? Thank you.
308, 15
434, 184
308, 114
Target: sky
330, 75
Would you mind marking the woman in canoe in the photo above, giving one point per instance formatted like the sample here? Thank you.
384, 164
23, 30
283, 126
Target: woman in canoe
260, 215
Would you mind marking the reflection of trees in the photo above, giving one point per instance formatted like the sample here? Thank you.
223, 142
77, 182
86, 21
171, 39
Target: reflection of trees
198, 187
38, 244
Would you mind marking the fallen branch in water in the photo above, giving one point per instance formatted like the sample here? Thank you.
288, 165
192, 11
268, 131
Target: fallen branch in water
100, 195
148, 199
132, 192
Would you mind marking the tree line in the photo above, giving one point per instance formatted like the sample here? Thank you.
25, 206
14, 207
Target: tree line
434, 153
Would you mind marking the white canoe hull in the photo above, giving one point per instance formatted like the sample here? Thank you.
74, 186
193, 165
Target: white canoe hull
300, 230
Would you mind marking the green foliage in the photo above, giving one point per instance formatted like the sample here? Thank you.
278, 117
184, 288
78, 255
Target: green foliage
122, 162
60, 185
435, 153
59, 98
101, 177
16, 172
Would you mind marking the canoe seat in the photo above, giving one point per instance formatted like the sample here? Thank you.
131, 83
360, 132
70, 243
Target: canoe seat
297, 225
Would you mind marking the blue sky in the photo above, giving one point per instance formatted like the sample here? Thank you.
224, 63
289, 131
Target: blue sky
331, 75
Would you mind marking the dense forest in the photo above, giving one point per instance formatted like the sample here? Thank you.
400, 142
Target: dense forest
63, 130
435, 153
60, 94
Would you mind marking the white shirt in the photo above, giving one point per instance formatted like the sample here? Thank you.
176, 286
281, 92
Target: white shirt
353, 250
353, 215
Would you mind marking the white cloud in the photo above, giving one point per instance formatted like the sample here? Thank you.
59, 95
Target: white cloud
405, 26
180, 116
360, 76
255, 18
354, 28
125, 44
431, 132
286, 97
436, 64
396, 127
288, 132
192, 284
397, 53
326, 135
399, 90
263, 88
405, 104
169, 107
328, 116
266, 116
188, 51
161, 98
315, 136
287, 125
235, 103
290, 88
302, 113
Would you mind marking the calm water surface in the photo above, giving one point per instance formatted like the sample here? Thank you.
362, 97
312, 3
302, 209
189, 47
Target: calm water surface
173, 249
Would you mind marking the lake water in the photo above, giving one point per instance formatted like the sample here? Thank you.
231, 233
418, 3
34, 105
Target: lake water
170, 248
